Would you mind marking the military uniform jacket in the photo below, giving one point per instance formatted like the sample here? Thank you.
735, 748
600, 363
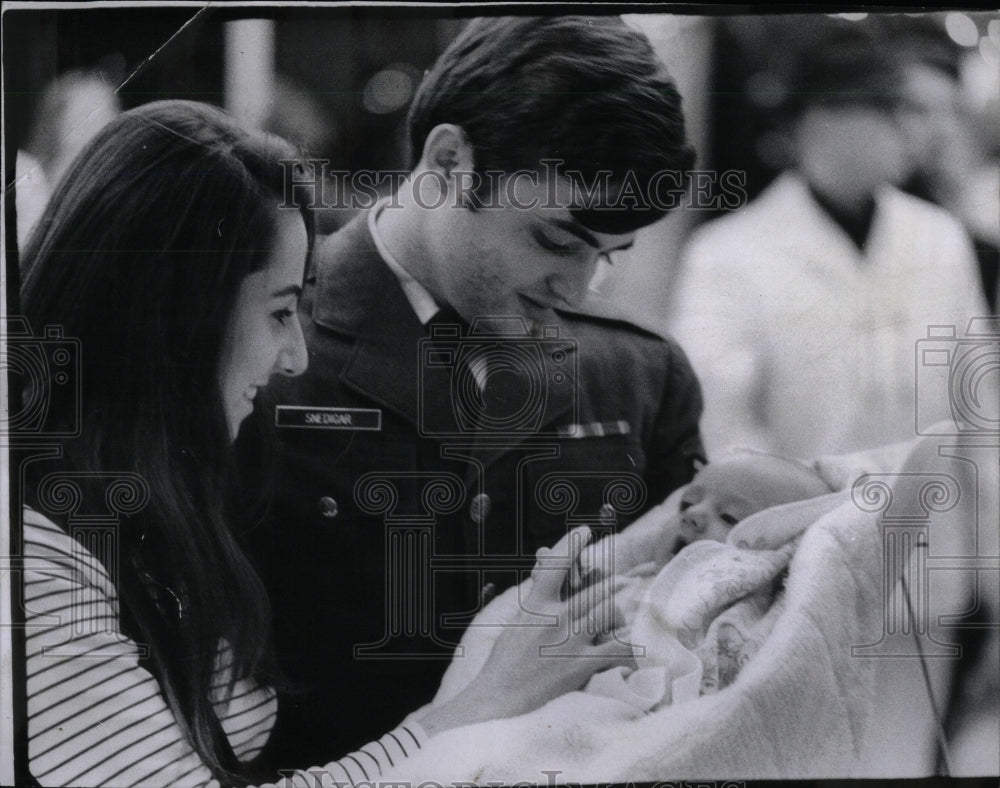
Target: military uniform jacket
404, 490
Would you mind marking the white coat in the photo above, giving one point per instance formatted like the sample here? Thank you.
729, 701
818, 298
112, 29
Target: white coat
806, 345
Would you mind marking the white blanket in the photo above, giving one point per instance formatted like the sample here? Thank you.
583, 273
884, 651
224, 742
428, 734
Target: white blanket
800, 707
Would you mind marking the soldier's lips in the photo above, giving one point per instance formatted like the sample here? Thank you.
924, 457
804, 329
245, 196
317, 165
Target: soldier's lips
543, 298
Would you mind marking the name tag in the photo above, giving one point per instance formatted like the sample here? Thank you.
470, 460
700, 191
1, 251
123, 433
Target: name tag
304, 417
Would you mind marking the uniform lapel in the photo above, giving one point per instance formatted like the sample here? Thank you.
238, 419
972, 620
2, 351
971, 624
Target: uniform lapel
357, 295
552, 359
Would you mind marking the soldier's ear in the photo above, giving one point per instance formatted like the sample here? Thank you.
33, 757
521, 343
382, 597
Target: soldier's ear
447, 150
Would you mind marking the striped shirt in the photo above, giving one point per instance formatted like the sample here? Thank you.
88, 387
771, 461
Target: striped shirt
97, 717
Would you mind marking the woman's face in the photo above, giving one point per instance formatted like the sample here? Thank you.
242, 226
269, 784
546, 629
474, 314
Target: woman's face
263, 336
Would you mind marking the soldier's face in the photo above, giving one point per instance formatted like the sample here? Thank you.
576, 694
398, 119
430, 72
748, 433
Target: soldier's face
263, 336
522, 241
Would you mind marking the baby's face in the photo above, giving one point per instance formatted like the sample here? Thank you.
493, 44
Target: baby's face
730, 490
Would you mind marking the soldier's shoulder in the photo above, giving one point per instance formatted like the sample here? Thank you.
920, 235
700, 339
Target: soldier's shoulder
614, 349
602, 316
343, 243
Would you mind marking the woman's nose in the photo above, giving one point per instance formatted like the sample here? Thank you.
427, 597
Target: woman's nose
295, 356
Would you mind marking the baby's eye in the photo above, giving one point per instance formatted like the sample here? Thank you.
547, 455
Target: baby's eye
685, 505
728, 519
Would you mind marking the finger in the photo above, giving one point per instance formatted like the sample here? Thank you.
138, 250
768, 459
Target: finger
605, 654
622, 632
596, 560
573, 543
578, 542
553, 566
595, 608
575, 580
596, 596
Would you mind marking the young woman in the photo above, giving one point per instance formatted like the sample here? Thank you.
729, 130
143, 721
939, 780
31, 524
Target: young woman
165, 253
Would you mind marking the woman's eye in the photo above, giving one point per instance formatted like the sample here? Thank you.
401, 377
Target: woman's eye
728, 519
685, 505
282, 315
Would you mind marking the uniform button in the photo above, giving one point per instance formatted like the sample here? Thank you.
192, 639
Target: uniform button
607, 514
328, 507
479, 509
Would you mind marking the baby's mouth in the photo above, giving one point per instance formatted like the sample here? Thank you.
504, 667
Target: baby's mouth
679, 543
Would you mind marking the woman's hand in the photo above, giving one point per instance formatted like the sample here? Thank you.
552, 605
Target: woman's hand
653, 537
551, 647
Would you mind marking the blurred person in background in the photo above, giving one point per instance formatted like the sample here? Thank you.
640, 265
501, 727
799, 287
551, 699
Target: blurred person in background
800, 311
951, 148
71, 110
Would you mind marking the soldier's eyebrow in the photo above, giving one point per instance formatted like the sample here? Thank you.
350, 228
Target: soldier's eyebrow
576, 229
294, 290
573, 228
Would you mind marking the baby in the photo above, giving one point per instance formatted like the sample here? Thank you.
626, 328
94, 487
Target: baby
722, 494
731, 489
694, 614
687, 611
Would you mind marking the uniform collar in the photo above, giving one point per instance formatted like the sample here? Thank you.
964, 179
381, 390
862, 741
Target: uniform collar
357, 294
355, 291
420, 299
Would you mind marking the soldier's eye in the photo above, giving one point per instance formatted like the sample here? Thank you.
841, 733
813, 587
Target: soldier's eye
550, 244
728, 519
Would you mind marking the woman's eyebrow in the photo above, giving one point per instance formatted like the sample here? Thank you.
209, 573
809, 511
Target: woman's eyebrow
294, 290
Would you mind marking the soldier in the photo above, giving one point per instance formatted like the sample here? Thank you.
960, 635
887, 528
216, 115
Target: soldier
462, 406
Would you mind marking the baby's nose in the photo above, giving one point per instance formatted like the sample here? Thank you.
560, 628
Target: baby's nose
694, 519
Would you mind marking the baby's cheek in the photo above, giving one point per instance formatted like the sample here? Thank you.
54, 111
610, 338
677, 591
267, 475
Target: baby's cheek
665, 545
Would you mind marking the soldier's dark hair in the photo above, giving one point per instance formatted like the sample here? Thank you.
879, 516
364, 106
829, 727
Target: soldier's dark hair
140, 255
589, 92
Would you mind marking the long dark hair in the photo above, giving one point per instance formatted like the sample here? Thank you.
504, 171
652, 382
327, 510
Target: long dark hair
140, 255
